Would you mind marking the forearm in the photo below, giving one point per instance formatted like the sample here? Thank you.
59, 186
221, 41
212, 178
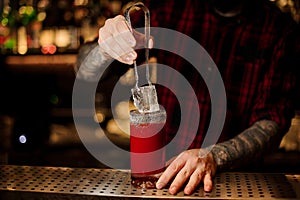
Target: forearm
247, 146
91, 63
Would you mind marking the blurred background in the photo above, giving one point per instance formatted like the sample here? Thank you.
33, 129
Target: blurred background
39, 43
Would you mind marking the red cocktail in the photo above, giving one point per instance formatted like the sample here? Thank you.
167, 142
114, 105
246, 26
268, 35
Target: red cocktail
147, 142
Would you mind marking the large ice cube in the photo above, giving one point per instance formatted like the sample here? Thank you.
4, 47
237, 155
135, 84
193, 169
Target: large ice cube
145, 98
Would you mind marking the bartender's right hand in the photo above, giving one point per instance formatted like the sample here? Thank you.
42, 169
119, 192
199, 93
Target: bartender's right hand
117, 41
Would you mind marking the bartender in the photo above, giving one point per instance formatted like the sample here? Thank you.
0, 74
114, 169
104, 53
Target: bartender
252, 43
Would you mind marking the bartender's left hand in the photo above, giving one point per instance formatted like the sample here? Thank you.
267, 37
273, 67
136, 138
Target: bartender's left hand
191, 167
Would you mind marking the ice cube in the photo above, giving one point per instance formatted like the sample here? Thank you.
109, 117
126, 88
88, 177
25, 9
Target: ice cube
145, 98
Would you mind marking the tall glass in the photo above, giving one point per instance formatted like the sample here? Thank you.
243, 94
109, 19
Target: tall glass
147, 147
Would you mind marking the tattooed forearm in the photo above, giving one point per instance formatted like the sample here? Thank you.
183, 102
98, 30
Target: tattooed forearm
247, 146
91, 63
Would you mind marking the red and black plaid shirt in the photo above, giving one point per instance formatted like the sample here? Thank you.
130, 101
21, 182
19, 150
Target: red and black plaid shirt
253, 52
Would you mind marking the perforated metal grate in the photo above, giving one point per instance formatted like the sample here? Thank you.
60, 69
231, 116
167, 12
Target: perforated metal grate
116, 183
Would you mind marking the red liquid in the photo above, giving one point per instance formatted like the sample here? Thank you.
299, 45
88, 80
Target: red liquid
147, 142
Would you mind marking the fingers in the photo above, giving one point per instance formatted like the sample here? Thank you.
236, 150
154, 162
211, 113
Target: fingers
120, 52
170, 172
208, 182
141, 40
194, 181
181, 170
116, 40
188, 168
180, 179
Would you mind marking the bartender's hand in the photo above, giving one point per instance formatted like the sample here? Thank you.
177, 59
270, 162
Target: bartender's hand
191, 168
117, 41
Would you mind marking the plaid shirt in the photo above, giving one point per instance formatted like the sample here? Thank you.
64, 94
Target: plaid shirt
254, 54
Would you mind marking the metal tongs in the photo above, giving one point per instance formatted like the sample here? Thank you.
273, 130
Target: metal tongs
145, 97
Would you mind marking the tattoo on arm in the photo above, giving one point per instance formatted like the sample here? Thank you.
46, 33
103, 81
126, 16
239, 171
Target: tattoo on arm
89, 63
247, 146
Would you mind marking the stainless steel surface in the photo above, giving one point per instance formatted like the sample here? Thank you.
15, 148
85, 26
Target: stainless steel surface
109, 183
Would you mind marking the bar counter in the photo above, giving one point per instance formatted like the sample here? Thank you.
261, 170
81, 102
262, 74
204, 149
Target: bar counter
63, 60
35, 182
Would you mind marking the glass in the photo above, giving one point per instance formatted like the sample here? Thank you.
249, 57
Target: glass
147, 147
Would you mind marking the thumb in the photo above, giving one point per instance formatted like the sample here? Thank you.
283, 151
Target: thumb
140, 40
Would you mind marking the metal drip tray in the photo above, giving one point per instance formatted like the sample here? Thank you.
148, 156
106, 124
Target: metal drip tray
26, 182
